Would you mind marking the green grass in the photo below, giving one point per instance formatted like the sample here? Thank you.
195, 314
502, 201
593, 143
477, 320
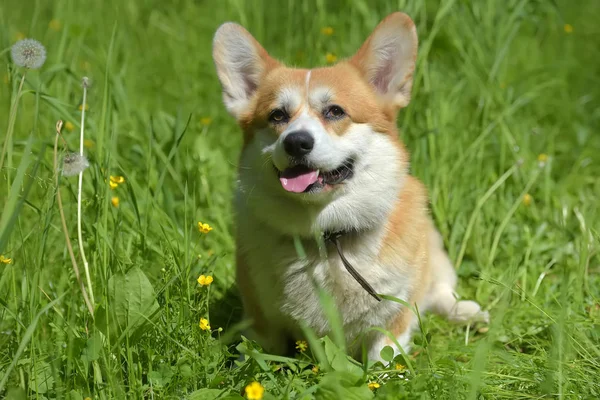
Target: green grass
497, 84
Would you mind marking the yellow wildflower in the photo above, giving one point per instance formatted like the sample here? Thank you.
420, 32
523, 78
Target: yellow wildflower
88, 398
69, 126
568, 28
330, 58
204, 324
315, 369
204, 228
255, 391
19, 36
115, 201
400, 367
5, 260
117, 179
205, 121
205, 280
327, 31
88, 143
55, 25
542, 159
87, 107
374, 385
301, 346
527, 199
112, 185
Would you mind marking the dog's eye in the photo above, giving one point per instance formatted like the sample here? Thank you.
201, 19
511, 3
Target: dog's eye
278, 116
334, 112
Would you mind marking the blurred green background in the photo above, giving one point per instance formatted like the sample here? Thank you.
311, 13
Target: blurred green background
502, 128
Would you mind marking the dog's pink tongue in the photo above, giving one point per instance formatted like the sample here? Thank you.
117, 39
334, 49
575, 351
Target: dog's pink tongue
297, 179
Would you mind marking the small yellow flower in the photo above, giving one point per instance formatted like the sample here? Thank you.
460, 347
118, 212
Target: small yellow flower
374, 385
204, 228
400, 367
568, 28
69, 126
301, 346
204, 324
19, 36
88, 398
88, 143
117, 179
255, 391
330, 58
87, 107
205, 280
115, 201
113, 185
5, 260
527, 199
205, 121
315, 369
55, 25
327, 31
542, 158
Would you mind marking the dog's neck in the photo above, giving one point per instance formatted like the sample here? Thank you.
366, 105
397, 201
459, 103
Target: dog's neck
334, 239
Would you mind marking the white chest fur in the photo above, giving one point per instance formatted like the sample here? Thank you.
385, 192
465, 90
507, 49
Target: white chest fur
285, 282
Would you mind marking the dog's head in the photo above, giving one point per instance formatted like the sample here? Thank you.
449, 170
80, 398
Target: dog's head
321, 141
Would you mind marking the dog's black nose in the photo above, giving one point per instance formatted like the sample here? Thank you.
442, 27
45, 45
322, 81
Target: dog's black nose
299, 143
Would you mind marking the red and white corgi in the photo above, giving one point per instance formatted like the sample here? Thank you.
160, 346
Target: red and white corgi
321, 155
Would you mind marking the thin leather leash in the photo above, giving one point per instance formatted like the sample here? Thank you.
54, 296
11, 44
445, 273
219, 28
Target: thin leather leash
334, 237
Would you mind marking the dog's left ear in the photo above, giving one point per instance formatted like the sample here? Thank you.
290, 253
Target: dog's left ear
241, 65
387, 58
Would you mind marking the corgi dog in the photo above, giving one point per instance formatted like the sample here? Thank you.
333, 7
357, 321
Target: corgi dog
321, 158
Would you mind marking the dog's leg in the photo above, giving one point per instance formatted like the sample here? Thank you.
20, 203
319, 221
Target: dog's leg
266, 332
441, 298
401, 328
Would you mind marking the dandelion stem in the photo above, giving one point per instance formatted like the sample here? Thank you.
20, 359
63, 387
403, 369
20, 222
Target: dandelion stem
64, 223
11, 121
79, 235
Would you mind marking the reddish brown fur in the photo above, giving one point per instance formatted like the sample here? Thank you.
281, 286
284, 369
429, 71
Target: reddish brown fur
408, 238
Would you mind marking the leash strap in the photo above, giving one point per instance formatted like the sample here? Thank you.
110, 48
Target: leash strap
335, 238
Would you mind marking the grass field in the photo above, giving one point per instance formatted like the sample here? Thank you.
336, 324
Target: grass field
504, 129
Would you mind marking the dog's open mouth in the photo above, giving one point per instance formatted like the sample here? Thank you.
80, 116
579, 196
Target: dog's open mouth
304, 179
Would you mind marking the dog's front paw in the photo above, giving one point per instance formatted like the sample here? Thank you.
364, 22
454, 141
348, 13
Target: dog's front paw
468, 311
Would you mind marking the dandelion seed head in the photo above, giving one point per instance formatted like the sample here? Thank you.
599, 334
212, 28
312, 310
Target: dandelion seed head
85, 82
74, 164
28, 53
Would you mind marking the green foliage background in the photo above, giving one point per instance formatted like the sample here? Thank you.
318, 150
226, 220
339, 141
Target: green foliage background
498, 83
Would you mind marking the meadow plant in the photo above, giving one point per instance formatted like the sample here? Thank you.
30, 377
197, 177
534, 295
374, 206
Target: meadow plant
28, 54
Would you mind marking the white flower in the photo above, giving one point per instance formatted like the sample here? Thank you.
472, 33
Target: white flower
28, 53
74, 163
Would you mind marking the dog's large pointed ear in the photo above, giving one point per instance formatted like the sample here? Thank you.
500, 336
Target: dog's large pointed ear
241, 64
387, 58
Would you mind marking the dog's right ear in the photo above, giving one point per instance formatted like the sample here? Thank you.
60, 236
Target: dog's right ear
241, 64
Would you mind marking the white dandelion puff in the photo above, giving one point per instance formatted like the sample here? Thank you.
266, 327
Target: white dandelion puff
74, 164
28, 53
86, 82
